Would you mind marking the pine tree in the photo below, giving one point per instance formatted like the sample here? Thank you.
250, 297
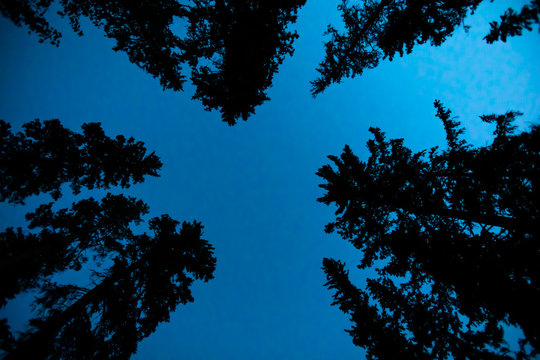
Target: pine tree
141, 29
39, 160
453, 236
46, 155
513, 24
376, 30
245, 42
150, 275
66, 236
234, 47
134, 296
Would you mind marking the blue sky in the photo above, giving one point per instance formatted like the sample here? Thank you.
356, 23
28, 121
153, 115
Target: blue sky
253, 186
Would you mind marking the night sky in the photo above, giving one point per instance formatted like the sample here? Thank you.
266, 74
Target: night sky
253, 185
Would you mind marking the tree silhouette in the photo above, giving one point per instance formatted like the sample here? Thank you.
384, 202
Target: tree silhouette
453, 236
141, 29
376, 30
40, 160
26, 260
135, 295
512, 23
234, 47
151, 275
46, 155
242, 43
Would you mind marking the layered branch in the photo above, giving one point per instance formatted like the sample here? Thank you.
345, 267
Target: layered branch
458, 227
46, 155
136, 295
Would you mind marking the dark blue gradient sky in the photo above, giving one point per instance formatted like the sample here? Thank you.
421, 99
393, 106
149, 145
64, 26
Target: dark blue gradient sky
253, 185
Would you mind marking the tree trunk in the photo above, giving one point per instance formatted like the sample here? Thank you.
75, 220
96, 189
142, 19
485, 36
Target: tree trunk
486, 219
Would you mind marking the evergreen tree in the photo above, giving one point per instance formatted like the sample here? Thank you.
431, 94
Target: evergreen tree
66, 236
453, 236
151, 275
41, 159
234, 47
46, 155
513, 23
139, 291
141, 29
376, 30
245, 42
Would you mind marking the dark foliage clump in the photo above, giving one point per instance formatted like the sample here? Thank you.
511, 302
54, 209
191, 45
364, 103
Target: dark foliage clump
46, 155
376, 30
150, 275
141, 29
64, 239
454, 236
234, 47
513, 23
147, 282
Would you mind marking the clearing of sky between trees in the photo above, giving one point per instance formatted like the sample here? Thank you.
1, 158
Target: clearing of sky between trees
452, 235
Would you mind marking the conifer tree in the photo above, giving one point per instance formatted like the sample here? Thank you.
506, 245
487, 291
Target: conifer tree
141, 29
233, 47
150, 275
453, 236
46, 155
64, 239
380, 29
139, 291
39, 160
513, 23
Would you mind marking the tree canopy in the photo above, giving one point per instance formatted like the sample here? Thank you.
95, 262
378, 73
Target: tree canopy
376, 30
139, 291
141, 29
241, 45
513, 23
453, 236
46, 155
66, 236
234, 47
150, 275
